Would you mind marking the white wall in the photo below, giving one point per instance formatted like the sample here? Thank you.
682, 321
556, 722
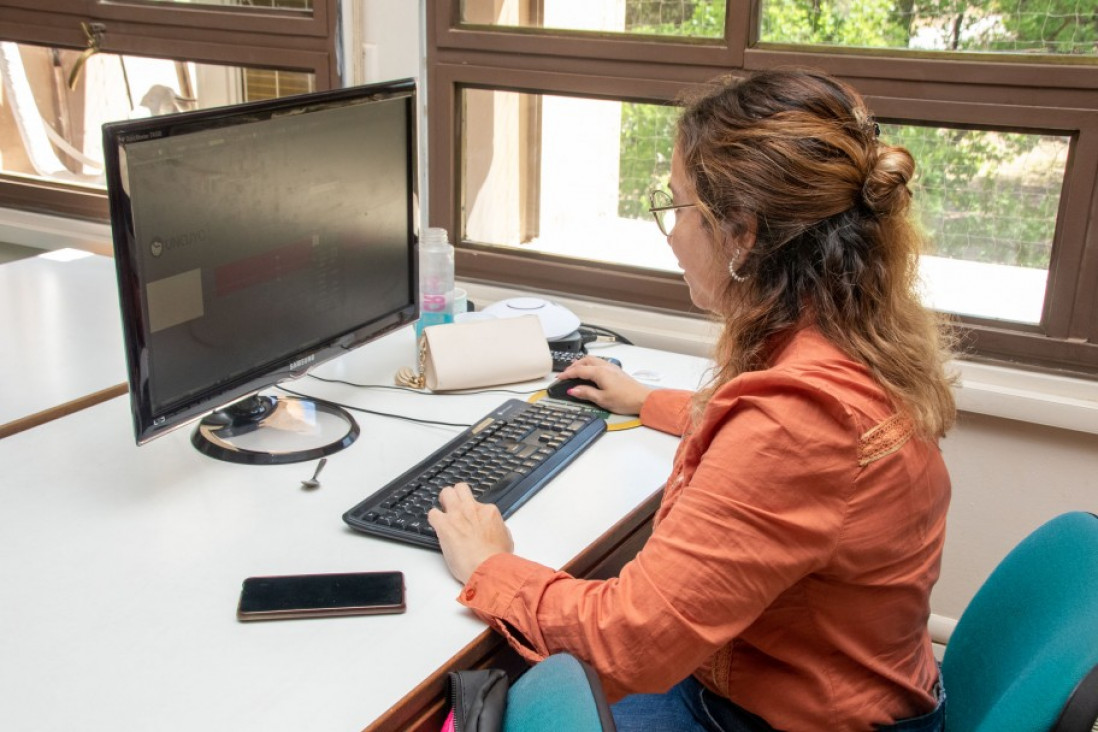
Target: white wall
1009, 477
381, 40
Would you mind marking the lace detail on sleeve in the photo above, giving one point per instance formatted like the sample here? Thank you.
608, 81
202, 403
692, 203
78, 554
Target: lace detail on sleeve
884, 439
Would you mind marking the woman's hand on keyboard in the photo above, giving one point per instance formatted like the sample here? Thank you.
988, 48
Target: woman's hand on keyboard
468, 531
617, 391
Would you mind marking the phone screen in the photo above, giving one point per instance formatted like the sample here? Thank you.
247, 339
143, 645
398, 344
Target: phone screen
313, 595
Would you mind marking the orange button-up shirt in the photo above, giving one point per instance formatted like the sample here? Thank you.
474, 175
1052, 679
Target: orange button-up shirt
791, 561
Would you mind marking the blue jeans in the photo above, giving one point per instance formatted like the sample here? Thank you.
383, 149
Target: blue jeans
690, 707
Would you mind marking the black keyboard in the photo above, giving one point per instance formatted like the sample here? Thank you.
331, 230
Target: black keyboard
505, 458
564, 359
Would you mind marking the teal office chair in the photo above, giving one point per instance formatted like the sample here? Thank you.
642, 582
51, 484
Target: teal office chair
558, 694
1024, 654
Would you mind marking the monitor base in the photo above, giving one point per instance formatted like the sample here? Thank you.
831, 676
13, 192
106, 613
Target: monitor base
268, 430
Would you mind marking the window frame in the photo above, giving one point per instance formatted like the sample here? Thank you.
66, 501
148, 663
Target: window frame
266, 21
1045, 95
202, 34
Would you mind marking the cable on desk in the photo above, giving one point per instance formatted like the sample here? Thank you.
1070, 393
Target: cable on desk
598, 330
398, 416
371, 411
421, 392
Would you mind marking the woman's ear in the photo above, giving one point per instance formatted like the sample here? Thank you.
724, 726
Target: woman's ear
739, 236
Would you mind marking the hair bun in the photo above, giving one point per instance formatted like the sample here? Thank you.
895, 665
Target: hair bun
885, 191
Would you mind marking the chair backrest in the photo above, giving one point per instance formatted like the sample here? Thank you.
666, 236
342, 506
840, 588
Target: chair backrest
560, 693
1030, 635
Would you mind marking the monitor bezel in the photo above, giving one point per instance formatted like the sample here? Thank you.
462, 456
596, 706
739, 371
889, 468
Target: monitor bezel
149, 423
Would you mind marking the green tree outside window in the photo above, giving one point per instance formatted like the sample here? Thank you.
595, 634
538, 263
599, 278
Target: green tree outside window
982, 195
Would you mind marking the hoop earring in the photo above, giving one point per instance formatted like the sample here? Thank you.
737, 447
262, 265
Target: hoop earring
736, 276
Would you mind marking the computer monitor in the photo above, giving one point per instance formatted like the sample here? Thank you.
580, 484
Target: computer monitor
252, 243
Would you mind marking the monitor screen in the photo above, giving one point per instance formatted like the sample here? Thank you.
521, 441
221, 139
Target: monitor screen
255, 241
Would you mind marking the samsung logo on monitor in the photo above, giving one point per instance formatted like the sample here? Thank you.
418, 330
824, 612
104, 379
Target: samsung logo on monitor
159, 245
302, 362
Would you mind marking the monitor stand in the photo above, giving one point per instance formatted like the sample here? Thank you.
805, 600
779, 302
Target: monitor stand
268, 430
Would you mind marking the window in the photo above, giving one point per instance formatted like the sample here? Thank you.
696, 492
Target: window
68, 66
639, 17
557, 120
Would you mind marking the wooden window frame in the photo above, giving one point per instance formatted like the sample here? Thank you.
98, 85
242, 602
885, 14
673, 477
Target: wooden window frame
1001, 92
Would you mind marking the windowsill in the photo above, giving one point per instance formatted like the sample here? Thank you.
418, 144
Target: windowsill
999, 391
54, 232
1028, 396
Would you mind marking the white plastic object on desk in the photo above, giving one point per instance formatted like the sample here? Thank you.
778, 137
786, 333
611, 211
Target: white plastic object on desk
556, 320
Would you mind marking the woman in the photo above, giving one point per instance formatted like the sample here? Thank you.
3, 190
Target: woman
786, 582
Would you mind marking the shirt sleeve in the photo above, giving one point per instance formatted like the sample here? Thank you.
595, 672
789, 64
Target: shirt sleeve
667, 410
763, 509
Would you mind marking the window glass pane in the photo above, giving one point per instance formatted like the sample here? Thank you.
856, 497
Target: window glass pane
303, 5
987, 26
683, 18
570, 176
565, 176
271, 83
988, 201
52, 104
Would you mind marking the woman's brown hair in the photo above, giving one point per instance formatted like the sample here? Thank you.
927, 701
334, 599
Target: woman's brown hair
795, 154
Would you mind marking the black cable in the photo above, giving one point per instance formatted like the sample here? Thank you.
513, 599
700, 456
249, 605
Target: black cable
599, 330
421, 392
370, 411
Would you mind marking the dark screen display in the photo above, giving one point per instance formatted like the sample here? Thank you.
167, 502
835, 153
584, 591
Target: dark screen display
257, 238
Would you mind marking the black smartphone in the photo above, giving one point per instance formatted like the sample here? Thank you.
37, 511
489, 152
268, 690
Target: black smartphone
321, 595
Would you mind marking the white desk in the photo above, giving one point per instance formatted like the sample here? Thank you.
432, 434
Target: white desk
60, 336
120, 567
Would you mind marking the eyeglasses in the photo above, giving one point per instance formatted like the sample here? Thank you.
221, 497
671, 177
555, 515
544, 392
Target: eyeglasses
664, 210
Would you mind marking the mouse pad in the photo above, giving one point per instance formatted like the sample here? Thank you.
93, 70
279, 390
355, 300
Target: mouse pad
614, 422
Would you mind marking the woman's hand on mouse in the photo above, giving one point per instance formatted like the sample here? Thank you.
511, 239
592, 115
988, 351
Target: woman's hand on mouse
617, 391
468, 531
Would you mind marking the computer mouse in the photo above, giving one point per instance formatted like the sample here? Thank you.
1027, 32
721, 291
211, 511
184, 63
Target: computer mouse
559, 389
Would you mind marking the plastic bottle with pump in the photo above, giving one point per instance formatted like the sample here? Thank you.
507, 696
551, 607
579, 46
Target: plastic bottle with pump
436, 279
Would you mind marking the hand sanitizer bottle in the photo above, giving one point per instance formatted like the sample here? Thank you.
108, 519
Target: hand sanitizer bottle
436, 279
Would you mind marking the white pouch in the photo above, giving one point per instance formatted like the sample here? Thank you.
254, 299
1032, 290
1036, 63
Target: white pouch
481, 353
